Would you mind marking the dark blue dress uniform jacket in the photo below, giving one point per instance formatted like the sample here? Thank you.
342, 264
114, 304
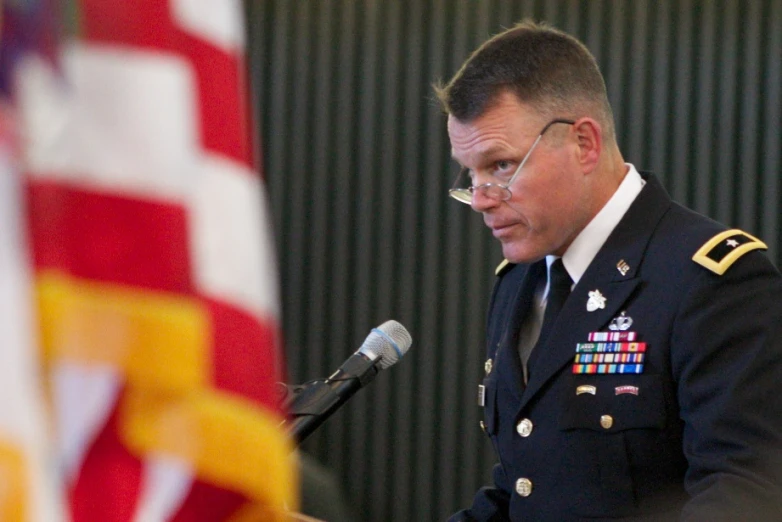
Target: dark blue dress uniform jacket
701, 440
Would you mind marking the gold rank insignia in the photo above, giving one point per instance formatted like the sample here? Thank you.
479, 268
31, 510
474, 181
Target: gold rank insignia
502, 267
721, 251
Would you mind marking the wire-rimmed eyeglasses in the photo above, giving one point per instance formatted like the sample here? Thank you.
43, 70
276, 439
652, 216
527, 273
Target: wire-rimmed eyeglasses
493, 190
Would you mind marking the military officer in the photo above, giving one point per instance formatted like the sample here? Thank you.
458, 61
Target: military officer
634, 346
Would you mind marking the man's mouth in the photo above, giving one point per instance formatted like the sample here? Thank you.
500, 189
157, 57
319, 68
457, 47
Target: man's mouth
503, 229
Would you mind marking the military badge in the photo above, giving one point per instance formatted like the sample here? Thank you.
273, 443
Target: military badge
612, 336
609, 358
596, 301
617, 351
724, 249
623, 267
621, 390
621, 322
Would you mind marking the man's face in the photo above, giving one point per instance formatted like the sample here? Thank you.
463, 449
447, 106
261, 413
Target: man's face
550, 201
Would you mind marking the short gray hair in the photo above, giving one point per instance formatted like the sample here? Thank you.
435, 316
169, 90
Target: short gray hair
542, 66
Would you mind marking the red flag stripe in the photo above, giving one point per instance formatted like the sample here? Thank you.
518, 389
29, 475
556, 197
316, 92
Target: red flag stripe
149, 24
108, 462
235, 361
109, 237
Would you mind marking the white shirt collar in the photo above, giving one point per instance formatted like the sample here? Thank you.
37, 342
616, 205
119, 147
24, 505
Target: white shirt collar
589, 241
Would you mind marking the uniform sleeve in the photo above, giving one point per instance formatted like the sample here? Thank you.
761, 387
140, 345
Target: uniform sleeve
726, 353
489, 504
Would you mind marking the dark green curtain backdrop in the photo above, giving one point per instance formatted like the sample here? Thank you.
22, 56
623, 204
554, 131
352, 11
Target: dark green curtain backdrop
356, 160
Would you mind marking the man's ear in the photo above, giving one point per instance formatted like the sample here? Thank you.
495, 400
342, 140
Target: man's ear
589, 138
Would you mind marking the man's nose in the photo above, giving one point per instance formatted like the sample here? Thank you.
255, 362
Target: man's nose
482, 202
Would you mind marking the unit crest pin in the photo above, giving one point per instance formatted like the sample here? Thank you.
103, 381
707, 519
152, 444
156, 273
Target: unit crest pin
596, 301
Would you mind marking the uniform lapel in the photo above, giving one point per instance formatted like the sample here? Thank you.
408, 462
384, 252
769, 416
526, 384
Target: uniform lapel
507, 355
625, 247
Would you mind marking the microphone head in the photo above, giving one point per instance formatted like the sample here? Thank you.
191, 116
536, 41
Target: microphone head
388, 343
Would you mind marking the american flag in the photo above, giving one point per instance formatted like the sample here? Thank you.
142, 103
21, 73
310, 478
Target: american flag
137, 280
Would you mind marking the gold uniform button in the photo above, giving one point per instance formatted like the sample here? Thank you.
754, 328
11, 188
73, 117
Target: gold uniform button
524, 427
524, 487
487, 366
606, 421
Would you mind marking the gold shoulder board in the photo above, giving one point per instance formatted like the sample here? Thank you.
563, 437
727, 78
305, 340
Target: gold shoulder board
721, 251
502, 267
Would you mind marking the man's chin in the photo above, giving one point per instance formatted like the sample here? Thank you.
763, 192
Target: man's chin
516, 253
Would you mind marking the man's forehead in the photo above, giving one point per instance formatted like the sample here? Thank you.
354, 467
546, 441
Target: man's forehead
495, 132
507, 113
486, 153
504, 101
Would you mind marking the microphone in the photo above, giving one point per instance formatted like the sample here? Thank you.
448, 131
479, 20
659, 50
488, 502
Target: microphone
314, 402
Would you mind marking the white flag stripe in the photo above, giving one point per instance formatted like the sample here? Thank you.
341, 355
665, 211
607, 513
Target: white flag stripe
220, 23
126, 121
231, 242
165, 485
22, 412
152, 152
84, 396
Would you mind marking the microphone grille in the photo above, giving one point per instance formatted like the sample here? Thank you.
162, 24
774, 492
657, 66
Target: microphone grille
388, 342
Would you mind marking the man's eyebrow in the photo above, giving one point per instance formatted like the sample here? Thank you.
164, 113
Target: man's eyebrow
490, 152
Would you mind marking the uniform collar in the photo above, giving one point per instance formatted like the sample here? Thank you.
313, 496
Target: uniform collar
589, 241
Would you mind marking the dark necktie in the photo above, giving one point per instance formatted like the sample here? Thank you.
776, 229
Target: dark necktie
559, 290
